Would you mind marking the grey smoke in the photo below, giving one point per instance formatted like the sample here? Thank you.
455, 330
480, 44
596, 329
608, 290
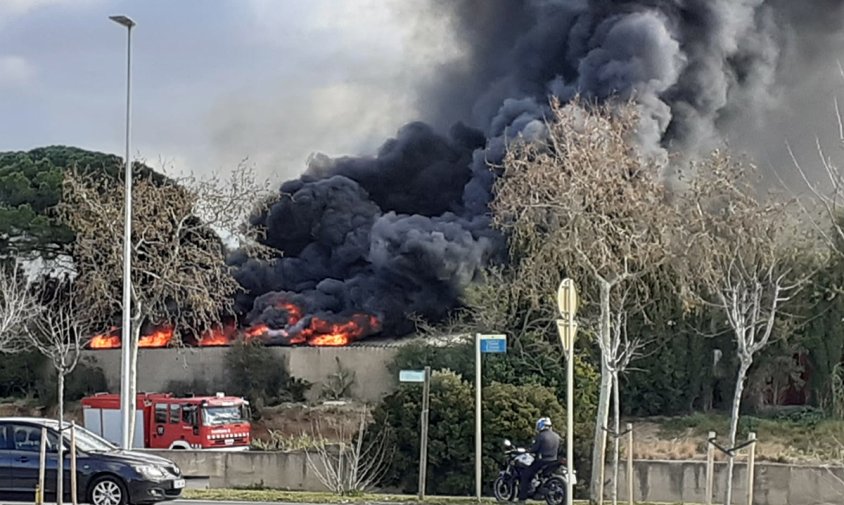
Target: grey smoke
405, 231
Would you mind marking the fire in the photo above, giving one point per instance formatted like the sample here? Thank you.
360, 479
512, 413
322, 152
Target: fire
318, 331
218, 336
105, 341
330, 340
327, 333
256, 331
298, 329
160, 337
294, 313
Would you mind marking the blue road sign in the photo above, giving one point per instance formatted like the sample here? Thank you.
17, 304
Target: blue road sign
412, 376
493, 344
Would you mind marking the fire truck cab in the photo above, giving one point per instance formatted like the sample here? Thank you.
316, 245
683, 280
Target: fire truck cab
164, 421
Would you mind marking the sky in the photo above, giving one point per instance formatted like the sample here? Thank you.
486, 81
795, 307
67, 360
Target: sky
214, 83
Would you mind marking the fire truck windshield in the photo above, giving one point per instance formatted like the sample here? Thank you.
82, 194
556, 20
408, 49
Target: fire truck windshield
222, 415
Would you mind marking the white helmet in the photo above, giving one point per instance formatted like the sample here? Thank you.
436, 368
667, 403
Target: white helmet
543, 423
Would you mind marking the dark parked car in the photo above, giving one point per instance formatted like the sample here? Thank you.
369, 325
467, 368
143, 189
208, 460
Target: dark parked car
106, 475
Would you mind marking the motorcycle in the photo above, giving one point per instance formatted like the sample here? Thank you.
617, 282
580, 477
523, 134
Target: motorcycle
548, 484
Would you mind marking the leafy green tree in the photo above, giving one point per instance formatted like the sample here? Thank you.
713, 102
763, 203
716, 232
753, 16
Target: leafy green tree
257, 375
509, 411
30, 188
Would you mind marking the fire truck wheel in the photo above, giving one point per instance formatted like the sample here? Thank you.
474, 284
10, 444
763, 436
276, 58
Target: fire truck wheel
107, 490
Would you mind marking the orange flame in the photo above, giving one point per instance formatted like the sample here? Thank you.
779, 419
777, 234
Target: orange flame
256, 331
105, 341
325, 333
160, 337
330, 340
218, 336
294, 313
320, 332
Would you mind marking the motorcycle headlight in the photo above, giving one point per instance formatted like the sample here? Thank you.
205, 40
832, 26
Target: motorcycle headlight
151, 472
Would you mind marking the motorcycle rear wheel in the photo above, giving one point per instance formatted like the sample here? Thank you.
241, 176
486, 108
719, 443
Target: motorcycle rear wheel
555, 491
504, 489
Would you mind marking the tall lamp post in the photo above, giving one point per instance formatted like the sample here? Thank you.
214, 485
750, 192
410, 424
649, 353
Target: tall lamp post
125, 346
567, 327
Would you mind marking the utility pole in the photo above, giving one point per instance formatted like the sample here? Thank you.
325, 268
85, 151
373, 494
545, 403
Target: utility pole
126, 405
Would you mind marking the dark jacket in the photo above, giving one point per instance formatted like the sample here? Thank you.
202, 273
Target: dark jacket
546, 445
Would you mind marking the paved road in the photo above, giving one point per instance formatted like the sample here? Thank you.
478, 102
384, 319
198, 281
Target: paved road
214, 502
197, 502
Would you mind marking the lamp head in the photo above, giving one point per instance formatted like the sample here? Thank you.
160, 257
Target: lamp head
122, 20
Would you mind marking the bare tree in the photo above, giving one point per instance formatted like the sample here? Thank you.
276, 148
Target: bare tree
18, 304
582, 200
356, 463
179, 273
622, 351
827, 194
59, 333
746, 251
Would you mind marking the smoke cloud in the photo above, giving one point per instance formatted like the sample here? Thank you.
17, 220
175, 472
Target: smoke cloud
405, 231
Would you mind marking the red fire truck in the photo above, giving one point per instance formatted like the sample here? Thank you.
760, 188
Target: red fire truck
164, 421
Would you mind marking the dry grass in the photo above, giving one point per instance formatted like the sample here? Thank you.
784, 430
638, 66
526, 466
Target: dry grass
778, 441
297, 420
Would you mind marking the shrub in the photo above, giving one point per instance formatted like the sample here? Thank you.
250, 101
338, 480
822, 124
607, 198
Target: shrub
257, 375
196, 386
20, 374
509, 411
86, 379
338, 384
278, 441
534, 363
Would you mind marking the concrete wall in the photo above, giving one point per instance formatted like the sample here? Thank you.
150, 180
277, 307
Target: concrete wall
654, 481
277, 470
775, 484
157, 367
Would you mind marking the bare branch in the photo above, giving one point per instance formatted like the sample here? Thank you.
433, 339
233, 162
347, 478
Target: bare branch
18, 305
355, 465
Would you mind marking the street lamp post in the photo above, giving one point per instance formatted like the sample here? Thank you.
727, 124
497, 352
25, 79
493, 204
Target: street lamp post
126, 332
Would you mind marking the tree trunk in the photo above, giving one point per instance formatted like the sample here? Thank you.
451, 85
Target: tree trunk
600, 440
60, 465
616, 438
133, 377
734, 419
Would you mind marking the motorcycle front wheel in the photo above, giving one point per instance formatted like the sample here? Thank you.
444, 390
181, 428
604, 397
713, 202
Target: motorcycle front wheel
555, 491
504, 489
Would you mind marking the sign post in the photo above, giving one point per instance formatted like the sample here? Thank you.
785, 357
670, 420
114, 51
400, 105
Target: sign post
423, 376
483, 344
423, 446
567, 327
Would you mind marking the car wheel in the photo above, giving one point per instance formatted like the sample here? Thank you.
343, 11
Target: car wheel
108, 491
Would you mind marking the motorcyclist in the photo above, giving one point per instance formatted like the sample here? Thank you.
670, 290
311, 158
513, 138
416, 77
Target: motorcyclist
545, 449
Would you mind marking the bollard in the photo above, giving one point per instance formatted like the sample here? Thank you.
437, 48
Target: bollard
73, 498
751, 462
601, 467
629, 429
42, 464
710, 468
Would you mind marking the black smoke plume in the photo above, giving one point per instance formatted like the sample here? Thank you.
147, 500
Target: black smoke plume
405, 231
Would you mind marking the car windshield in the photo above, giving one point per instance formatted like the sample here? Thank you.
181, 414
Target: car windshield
222, 415
89, 442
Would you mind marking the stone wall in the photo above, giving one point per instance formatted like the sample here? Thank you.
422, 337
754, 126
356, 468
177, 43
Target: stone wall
157, 367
